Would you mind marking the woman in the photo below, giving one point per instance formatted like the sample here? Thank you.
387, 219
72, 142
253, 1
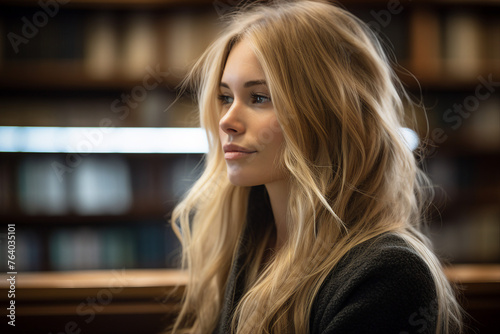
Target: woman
306, 217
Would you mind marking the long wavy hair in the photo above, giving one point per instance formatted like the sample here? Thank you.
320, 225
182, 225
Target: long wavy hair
340, 107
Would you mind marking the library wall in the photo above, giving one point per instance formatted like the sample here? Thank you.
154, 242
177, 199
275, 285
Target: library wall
116, 64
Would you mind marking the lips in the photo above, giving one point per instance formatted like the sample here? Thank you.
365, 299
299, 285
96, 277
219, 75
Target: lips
234, 152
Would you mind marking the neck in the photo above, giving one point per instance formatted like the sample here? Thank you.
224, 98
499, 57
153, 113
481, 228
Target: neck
278, 194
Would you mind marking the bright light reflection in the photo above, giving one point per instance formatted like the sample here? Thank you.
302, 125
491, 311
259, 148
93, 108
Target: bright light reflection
410, 138
118, 140
102, 140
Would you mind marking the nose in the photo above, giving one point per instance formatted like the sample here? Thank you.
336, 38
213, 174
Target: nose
232, 122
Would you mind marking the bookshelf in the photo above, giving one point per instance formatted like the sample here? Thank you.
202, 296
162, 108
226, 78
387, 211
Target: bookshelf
115, 63
107, 65
454, 52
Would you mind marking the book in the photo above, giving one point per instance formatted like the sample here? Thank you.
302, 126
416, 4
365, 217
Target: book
29, 250
463, 44
487, 232
483, 127
41, 192
61, 249
87, 248
101, 52
151, 245
6, 187
71, 34
2, 42
491, 45
101, 185
139, 45
187, 35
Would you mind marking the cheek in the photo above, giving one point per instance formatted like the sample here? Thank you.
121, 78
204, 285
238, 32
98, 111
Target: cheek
277, 146
270, 134
275, 125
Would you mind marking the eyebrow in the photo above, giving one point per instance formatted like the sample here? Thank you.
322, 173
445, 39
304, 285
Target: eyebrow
247, 84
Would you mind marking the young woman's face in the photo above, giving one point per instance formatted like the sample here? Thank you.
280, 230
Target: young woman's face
249, 130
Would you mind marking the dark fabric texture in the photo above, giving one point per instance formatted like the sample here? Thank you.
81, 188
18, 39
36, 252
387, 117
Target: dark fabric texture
259, 218
380, 286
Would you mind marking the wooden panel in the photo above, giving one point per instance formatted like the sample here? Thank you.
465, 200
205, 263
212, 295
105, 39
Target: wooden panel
146, 301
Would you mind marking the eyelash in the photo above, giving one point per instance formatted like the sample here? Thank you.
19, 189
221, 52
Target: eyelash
254, 96
223, 99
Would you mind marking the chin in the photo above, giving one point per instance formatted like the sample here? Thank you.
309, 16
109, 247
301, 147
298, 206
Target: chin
242, 180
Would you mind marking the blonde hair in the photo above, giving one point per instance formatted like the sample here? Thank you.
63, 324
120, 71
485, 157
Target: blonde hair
340, 109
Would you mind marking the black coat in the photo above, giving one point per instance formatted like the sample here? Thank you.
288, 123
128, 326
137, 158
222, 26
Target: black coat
379, 286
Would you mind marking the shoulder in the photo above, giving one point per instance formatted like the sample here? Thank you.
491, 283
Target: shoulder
380, 286
383, 255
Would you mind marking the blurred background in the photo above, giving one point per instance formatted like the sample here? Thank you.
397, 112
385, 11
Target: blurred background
89, 192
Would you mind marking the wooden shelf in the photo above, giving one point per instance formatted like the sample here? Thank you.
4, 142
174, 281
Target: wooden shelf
73, 219
91, 279
115, 3
71, 75
132, 279
464, 2
426, 2
111, 301
66, 74
473, 273
119, 298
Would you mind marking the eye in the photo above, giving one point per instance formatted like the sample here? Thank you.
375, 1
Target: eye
225, 99
259, 98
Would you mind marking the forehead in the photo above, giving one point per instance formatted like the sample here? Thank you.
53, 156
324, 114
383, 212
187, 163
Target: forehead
242, 64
